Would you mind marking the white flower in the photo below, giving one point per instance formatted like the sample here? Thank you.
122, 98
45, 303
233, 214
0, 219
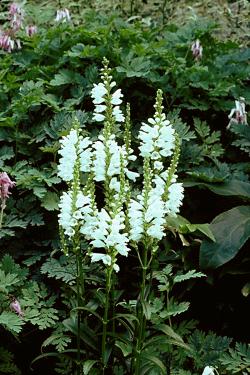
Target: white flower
98, 117
155, 214
66, 219
157, 140
85, 154
119, 117
62, 15
131, 175
108, 233
116, 97
69, 156
96, 257
99, 163
115, 184
175, 197
100, 108
208, 370
135, 215
98, 92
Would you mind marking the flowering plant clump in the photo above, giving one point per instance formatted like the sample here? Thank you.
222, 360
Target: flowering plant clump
107, 162
128, 219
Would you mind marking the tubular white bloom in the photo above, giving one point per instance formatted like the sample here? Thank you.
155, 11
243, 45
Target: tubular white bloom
99, 163
98, 117
155, 214
107, 233
98, 92
157, 140
115, 184
116, 97
100, 108
208, 370
69, 156
135, 215
85, 154
175, 197
96, 257
66, 219
117, 113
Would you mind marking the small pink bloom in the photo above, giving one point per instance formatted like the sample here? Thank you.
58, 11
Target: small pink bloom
197, 49
16, 16
5, 185
14, 9
30, 30
15, 306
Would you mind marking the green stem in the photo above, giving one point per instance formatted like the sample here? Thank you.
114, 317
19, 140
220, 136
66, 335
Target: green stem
140, 315
105, 317
1, 213
78, 286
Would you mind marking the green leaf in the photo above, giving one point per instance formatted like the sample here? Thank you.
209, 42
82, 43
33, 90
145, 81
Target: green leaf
125, 347
6, 153
87, 366
169, 332
50, 201
231, 230
192, 274
7, 280
155, 361
66, 76
11, 321
146, 309
233, 187
203, 228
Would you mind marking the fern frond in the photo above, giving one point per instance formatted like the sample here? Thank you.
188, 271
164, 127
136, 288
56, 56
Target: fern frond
60, 269
192, 274
11, 321
238, 360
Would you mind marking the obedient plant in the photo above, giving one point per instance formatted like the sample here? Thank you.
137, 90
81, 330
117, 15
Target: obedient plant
127, 219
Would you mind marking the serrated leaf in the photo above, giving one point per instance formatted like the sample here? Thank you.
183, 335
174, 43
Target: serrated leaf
11, 321
6, 153
50, 201
7, 280
192, 274
231, 230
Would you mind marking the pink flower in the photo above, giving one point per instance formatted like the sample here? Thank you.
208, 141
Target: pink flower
197, 49
6, 42
14, 8
30, 30
15, 306
16, 16
239, 112
5, 185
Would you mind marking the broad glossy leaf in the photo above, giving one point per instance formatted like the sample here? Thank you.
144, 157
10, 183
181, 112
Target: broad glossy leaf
233, 187
231, 230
